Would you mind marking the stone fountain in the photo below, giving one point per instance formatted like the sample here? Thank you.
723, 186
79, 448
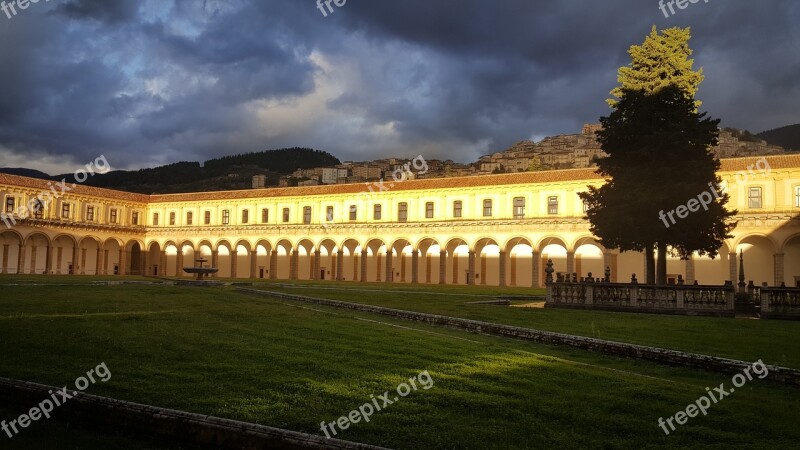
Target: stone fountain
200, 271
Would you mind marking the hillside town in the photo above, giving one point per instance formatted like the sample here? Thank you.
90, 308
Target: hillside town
565, 151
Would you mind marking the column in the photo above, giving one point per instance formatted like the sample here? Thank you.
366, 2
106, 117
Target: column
75, 260
179, 263
535, 269
443, 267
455, 268
471, 273
389, 271
48, 260
356, 265
428, 267
293, 257
513, 260
402, 267
414, 267
484, 263
579, 269
214, 261
378, 265
21, 259
5, 258
123, 261
254, 263
340, 264
689, 267
59, 254
779, 273
105, 262
98, 264
570, 263
33, 260
502, 264
364, 256
234, 264
315, 265
83, 261
273, 265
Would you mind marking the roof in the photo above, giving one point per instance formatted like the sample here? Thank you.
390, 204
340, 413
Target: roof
776, 162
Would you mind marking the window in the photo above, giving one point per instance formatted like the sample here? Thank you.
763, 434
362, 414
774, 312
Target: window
189, 218
207, 218
377, 212
112, 216
306, 215
135, 218
487, 208
458, 207
155, 219
264, 215
285, 215
329, 214
10, 203
245, 216
172, 219
65, 211
353, 212
519, 207
89, 213
226, 217
402, 212
797, 197
754, 197
429, 210
38, 209
552, 205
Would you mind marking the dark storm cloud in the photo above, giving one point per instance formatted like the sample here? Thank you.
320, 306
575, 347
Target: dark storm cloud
156, 81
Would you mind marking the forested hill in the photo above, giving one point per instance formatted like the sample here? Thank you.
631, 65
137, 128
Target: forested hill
226, 173
787, 137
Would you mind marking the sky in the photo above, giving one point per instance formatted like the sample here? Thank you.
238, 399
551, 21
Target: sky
150, 82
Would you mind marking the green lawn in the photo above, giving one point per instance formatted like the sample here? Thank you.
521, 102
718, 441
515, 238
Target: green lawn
776, 342
215, 351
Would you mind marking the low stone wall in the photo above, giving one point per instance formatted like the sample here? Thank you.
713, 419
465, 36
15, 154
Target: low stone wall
675, 299
196, 429
780, 303
660, 355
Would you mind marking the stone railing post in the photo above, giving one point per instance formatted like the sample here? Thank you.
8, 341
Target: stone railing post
764, 300
679, 296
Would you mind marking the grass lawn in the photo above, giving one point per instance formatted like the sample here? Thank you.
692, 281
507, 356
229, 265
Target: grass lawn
215, 351
776, 342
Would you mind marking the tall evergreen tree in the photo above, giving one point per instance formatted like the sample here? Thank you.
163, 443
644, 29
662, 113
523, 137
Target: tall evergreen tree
658, 158
662, 60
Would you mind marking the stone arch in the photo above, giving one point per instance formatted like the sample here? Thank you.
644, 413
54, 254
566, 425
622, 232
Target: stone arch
63, 254
11, 242
399, 261
790, 249
262, 252
135, 261
222, 258
281, 259
457, 266
590, 256
520, 262
556, 249
430, 268
759, 258
350, 252
35, 249
304, 259
705, 270
487, 261
110, 256
376, 253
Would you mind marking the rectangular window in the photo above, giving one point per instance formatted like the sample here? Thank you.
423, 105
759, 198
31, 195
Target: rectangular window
377, 212
226, 217
285, 215
487, 208
264, 215
429, 210
207, 218
754, 197
172, 219
402, 212
189, 218
90, 213
306, 215
155, 219
10, 204
353, 212
135, 218
797, 197
458, 208
329, 214
519, 207
245, 216
38, 209
113, 216
552, 205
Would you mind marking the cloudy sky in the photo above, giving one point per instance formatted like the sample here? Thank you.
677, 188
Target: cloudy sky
157, 81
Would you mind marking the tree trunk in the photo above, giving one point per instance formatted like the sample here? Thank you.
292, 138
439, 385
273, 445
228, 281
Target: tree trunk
651, 265
661, 268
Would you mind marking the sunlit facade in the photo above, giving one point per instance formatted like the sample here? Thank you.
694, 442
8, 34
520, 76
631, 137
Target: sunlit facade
493, 229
